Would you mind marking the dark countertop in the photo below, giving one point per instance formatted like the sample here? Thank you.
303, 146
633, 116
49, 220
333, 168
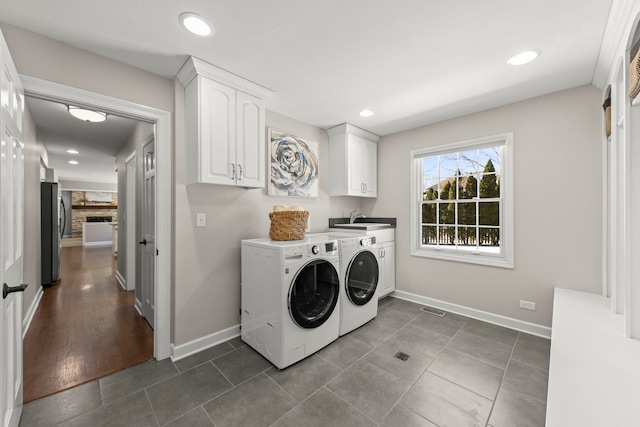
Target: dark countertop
373, 220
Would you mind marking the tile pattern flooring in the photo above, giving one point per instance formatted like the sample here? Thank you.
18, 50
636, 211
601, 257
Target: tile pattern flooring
461, 372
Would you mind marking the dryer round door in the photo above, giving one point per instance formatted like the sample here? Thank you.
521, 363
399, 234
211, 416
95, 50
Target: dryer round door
314, 294
362, 278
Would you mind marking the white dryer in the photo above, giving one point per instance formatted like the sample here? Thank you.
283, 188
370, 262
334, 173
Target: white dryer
290, 294
359, 273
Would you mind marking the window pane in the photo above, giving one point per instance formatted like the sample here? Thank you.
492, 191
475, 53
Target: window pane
429, 213
489, 240
429, 235
469, 185
430, 168
489, 186
447, 236
489, 155
430, 190
467, 238
448, 166
447, 213
467, 213
468, 162
489, 213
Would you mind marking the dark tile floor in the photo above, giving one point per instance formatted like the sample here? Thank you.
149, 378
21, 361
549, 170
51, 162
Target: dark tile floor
461, 372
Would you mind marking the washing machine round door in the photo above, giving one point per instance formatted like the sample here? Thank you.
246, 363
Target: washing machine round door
314, 293
362, 278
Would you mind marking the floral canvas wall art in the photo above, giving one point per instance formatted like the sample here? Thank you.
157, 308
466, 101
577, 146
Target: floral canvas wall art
293, 166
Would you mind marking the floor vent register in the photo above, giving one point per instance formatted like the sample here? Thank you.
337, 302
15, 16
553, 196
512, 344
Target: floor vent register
433, 311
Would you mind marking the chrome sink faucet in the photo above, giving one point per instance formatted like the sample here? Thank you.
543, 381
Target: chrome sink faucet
355, 214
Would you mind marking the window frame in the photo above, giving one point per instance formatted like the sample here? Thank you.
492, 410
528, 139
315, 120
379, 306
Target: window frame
506, 257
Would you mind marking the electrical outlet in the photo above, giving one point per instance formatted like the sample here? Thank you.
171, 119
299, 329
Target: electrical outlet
528, 305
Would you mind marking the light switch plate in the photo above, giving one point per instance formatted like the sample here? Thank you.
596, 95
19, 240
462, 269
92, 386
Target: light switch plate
201, 220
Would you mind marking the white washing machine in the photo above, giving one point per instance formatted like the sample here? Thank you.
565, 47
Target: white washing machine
359, 273
290, 295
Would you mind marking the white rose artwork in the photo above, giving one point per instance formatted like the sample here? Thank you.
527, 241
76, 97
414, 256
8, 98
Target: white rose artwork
294, 165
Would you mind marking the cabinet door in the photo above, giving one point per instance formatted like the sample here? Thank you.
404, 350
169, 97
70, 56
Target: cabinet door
356, 165
250, 140
370, 169
387, 256
217, 133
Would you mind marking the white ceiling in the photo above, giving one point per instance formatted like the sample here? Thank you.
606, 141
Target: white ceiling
412, 62
97, 143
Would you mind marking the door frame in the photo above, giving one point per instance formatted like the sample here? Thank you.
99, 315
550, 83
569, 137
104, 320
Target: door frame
131, 220
57, 92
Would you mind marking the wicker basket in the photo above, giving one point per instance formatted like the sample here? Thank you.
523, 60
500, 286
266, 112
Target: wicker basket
634, 76
288, 225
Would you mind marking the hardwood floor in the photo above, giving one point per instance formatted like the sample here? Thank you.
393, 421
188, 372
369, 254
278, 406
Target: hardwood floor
85, 327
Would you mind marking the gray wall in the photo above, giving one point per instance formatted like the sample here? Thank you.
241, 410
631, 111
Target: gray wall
557, 146
207, 260
33, 152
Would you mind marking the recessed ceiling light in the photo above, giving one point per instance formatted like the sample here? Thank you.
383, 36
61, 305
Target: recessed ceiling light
73, 162
523, 57
73, 152
366, 113
87, 115
196, 24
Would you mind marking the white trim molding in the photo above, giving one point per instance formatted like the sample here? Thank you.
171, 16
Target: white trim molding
495, 319
57, 92
26, 322
121, 280
192, 347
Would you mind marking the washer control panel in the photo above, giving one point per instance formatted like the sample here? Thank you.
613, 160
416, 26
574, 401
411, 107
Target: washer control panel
323, 248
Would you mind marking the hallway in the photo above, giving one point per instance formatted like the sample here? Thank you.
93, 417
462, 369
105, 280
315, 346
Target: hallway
85, 327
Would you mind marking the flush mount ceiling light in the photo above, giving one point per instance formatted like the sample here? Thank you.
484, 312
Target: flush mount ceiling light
73, 162
196, 24
87, 115
523, 57
73, 152
366, 113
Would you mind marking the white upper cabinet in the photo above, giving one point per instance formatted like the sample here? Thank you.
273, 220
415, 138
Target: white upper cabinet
225, 126
353, 156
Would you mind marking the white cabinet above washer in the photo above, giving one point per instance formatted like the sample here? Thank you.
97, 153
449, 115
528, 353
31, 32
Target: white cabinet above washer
353, 156
225, 126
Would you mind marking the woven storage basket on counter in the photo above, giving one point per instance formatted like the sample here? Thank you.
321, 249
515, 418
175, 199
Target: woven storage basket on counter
288, 225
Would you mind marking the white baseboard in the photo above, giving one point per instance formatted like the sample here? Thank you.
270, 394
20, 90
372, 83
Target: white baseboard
138, 306
496, 319
26, 321
192, 347
121, 280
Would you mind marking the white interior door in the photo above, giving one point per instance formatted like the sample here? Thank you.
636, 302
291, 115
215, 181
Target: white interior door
148, 232
11, 235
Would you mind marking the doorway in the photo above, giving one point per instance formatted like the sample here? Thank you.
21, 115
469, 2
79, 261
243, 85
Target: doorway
39, 88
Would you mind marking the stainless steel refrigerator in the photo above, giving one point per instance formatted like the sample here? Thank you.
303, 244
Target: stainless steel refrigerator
50, 230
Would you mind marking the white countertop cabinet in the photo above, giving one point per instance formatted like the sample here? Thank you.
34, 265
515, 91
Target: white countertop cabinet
353, 156
225, 126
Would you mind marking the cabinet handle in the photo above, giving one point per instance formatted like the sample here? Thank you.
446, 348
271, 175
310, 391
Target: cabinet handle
233, 171
365, 187
239, 172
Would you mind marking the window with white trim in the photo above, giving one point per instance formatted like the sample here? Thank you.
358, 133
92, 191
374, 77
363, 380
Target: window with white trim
462, 201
